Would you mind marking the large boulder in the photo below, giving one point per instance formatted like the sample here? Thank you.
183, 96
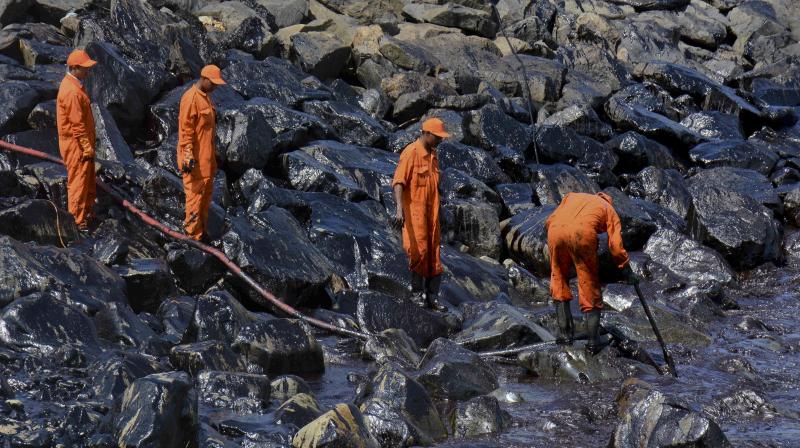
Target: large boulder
377, 312
688, 259
206, 355
194, 270
175, 314
715, 125
272, 78
118, 324
743, 181
299, 410
562, 144
306, 173
454, 15
553, 182
285, 387
393, 345
286, 13
42, 322
493, 325
449, 371
239, 25
74, 277
399, 411
110, 143
526, 239
19, 100
371, 169
111, 377
680, 79
148, 282
663, 187
470, 279
272, 248
357, 241
735, 153
474, 161
290, 128
158, 410
246, 139
649, 5
480, 416
279, 346
352, 124
476, 225
574, 364
38, 221
122, 89
581, 119
219, 316
321, 54
628, 112
490, 127
737, 226
225, 389
649, 417
341, 426
636, 152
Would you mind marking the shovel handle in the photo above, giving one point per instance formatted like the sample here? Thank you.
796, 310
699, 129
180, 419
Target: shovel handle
652, 320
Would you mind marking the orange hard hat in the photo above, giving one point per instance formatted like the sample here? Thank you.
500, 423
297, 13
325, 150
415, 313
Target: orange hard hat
80, 58
212, 73
436, 127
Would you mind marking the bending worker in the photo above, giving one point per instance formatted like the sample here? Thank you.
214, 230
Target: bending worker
76, 138
572, 231
197, 160
416, 192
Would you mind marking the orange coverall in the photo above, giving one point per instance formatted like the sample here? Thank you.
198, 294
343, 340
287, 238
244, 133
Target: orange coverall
75, 124
196, 126
572, 238
418, 172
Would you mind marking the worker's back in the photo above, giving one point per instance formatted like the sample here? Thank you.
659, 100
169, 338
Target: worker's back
581, 210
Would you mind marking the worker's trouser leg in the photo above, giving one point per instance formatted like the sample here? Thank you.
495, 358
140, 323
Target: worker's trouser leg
588, 269
81, 192
199, 191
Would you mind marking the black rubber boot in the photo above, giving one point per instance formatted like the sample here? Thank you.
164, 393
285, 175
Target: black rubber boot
593, 346
432, 293
417, 289
566, 327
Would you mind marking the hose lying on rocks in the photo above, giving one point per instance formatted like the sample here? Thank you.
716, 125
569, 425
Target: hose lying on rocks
268, 297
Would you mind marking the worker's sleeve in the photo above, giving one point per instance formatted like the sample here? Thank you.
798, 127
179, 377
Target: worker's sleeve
77, 122
187, 119
614, 230
402, 174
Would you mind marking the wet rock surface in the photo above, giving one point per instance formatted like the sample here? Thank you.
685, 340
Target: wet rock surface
684, 111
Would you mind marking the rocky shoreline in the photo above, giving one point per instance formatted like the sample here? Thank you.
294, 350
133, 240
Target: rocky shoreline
684, 111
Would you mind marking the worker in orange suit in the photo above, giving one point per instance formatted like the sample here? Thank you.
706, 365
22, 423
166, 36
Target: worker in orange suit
416, 192
76, 138
196, 157
572, 231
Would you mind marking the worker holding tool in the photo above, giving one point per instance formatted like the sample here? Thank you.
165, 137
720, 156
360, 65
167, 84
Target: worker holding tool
76, 138
197, 160
416, 192
572, 231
